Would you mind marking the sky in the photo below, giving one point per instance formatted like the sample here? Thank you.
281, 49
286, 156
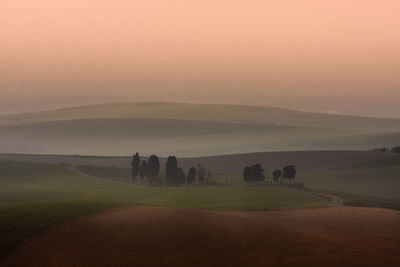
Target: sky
337, 56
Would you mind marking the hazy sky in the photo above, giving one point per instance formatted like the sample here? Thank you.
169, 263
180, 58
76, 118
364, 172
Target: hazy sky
338, 56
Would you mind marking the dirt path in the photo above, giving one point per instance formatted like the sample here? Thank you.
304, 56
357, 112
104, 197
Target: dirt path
335, 200
76, 171
153, 236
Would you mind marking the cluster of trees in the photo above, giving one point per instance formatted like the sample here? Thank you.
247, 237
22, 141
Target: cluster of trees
174, 175
289, 172
255, 174
146, 169
395, 149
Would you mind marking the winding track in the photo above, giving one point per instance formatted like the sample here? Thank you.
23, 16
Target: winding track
76, 171
335, 200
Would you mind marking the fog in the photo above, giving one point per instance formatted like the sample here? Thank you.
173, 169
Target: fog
310, 55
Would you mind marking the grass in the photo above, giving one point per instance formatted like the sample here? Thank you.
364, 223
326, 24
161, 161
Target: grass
371, 184
110, 173
374, 180
367, 201
34, 196
124, 175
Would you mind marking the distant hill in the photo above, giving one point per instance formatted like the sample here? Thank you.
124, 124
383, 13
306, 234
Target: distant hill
304, 160
189, 130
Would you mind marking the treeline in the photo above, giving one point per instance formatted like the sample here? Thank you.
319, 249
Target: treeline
148, 170
395, 149
255, 174
174, 175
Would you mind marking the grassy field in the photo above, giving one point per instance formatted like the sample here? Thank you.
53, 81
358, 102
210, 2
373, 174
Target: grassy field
374, 183
111, 173
188, 130
379, 178
370, 184
34, 196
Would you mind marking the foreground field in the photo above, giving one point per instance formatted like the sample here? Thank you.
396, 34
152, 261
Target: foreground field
151, 236
34, 196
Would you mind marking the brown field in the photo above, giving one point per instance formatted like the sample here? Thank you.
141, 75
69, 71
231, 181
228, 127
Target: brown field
304, 160
152, 236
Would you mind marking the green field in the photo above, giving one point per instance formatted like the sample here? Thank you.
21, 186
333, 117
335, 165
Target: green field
374, 183
110, 173
34, 196
188, 130
379, 178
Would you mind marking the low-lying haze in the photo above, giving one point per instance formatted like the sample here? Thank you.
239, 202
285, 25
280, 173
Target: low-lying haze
324, 56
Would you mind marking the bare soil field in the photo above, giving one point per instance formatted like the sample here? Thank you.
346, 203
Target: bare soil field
304, 160
153, 236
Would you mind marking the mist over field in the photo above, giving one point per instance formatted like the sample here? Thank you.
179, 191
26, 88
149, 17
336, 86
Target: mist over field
189, 130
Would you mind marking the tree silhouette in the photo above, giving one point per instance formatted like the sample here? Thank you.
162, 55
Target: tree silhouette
276, 175
289, 172
395, 149
170, 167
174, 175
154, 165
144, 170
201, 173
179, 177
258, 173
191, 176
135, 165
248, 174
253, 174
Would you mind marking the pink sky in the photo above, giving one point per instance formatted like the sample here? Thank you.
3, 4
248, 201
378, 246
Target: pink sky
337, 56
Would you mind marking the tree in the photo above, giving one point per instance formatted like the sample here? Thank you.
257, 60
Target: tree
135, 165
276, 175
174, 175
247, 174
201, 173
395, 149
170, 167
253, 174
191, 176
144, 170
289, 172
154, 165
179, 177
258, 173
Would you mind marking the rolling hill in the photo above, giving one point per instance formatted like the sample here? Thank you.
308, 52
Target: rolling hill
188, 130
